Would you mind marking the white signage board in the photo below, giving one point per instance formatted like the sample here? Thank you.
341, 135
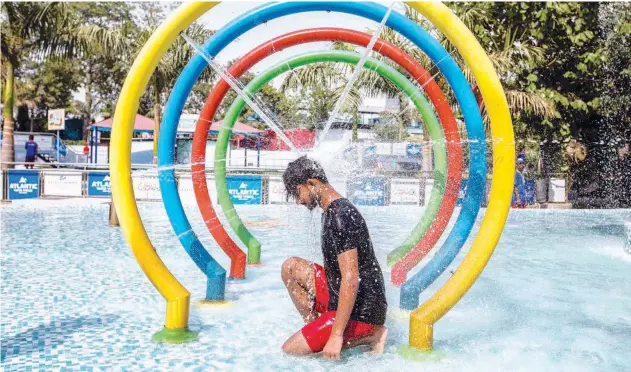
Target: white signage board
405, 191
429, 185
556, 191
276, 191
400, 149
187, 193
60, 184
146, 187
56, 119
383, 148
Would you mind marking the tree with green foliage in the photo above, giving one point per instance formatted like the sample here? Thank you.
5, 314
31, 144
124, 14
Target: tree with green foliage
30, 30
45, 85
319, 102
172, 63
320, 86
46, 36
279, 106
109, 27
576, 57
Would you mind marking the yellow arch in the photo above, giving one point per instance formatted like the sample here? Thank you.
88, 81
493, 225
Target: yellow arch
423, 318
177, 297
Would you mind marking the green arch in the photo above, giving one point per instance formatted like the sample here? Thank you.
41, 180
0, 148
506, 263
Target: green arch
426, 110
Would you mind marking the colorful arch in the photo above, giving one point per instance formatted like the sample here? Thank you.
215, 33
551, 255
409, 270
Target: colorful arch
238, 105
409, 253
418, 73
423, 318
376, 12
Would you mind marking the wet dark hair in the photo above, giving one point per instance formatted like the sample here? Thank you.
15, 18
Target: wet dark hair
31, 136
300, 171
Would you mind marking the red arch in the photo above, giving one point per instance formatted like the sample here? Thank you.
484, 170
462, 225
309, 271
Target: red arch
401, 268
452, 137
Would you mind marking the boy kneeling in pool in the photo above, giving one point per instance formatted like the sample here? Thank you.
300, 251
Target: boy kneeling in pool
343, 302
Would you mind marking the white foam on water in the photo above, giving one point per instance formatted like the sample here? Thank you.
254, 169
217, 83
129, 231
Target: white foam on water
615, 251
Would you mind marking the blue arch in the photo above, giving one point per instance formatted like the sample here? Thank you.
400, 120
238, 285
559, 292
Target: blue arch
264, 13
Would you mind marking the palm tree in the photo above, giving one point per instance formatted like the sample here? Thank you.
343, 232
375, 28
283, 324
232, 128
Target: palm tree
97, 43
335, 77
332, 76
44, 30
29, 29
169, 68
507, 50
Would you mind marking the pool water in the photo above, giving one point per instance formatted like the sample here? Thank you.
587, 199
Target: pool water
555, 296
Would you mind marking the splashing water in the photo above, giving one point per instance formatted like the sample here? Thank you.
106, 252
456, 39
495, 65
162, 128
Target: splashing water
326, 155
234, 84
355, 75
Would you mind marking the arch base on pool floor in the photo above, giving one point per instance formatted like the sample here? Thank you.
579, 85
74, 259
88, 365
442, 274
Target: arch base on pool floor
174, 336
411, 353
421, 334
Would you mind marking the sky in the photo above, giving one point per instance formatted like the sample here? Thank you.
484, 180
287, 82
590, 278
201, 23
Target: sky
226, 11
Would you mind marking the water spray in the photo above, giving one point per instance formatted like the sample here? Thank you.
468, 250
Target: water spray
235, 86
355, 75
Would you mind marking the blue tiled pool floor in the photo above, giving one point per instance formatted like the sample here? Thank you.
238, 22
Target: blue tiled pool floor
556, 295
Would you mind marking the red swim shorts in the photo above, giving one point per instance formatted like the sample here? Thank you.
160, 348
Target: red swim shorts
317, 332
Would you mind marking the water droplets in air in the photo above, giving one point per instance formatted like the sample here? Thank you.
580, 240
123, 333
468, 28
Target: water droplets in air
355, 75
239, 89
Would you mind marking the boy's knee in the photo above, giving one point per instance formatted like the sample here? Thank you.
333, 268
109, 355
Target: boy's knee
286, 347
289, 266
294, 346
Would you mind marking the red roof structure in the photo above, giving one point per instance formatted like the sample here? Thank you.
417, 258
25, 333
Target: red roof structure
142, 124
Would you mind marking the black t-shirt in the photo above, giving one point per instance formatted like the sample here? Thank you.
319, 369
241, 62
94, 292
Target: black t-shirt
343, 229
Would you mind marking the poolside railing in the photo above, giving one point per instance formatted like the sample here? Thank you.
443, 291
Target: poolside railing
93, 181
80, 180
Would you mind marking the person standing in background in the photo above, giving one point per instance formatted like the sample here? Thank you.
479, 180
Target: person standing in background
31, 152
519, 188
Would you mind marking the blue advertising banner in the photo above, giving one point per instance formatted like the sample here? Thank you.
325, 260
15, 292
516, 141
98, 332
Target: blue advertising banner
368, 191
530, 191
23, 184
245, 189
99, 184
414, 150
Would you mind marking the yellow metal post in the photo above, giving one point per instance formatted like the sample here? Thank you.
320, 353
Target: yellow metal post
423, 318
176, 296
